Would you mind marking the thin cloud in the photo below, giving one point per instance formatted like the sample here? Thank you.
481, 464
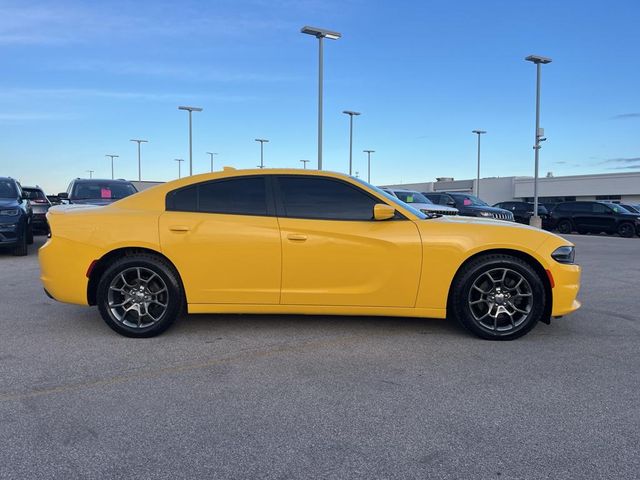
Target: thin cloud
33, 116
625, 167
622, 160
623, 116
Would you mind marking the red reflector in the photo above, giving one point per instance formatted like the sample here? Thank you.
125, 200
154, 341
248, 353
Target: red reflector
551, 281
93, 264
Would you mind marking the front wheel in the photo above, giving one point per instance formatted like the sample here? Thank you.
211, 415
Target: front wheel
565, 227
30, 234
498, 297
140, 296
626, 230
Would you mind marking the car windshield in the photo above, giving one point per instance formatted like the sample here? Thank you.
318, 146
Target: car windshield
33, 194
393, 199
472, 200
8, 189
619, 208
102, 190
632, 208
411, 197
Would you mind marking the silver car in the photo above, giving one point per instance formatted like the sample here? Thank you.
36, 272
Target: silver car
40, 205
419, 201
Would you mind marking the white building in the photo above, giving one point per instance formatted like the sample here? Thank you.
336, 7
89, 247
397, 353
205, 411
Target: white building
617, 187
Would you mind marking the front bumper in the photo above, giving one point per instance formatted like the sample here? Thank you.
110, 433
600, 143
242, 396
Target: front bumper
565, 291
9, 233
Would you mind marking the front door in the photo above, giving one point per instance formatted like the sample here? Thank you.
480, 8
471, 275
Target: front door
224, 239
334, 253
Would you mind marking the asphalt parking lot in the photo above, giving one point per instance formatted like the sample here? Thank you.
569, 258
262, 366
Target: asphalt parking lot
232, 397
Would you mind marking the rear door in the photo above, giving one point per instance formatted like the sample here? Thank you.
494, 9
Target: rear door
334, 253
224, 239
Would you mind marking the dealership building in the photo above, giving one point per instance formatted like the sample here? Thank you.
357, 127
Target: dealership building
616, 187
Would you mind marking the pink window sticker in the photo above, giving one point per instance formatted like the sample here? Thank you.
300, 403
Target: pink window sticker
105, 193
467, 202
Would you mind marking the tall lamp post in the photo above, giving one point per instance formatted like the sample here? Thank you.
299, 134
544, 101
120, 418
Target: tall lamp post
138, 141
478, 132
539, 137
262, 142
369, 152
304, 163
90, 172
320, 34
112, 157
179, 160
351, 115
190, 110
211, 154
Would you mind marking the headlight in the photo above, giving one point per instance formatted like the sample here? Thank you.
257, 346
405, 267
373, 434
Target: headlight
486, 214
13, 212
564, 254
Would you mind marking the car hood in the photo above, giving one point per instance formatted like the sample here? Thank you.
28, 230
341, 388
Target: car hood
433, 207
8, 203
93, 201
486, 209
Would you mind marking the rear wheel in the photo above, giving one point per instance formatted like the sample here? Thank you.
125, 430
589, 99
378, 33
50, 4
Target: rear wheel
140, 296
565, 227
498, 297
626, 230
30, 234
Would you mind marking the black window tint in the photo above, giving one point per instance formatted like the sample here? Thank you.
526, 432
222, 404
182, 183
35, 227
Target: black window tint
599, 208
309, 197
183, 200
582, 207
239, 196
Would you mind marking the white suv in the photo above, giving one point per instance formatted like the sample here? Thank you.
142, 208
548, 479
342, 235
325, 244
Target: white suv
419, 201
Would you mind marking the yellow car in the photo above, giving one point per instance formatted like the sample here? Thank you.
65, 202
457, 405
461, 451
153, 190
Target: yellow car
300, 242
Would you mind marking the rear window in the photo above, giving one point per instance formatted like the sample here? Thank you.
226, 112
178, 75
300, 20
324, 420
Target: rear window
102, 190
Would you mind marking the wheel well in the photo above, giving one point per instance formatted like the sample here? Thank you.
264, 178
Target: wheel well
101, 266
533, 263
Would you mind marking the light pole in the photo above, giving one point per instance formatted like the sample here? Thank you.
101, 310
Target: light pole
304, 163
90, 172
320, 34
262, 141
138, 141
112, 157
369, 152
478, 132
190, 110
538, 60
179, 160
211, 154
351, 115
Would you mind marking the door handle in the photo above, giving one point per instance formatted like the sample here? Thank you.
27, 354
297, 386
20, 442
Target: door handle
179, 228
297, 237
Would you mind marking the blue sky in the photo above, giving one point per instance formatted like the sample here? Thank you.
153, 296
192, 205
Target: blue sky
79, 79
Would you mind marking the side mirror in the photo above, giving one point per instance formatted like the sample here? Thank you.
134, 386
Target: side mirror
451, 203
382, 211
63, 196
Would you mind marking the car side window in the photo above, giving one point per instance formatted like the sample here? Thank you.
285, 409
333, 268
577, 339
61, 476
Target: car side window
237, 196
323, 198
581, 207
599, 208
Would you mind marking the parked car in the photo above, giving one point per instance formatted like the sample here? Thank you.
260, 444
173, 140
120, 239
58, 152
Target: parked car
90, 191
301, 242
523, 211
16, 230
469, 205
594, 217
631, 208
419, 201
40, 205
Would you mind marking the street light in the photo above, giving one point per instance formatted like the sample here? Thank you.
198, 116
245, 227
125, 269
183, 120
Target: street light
179, 160
351, 115
478, 132
211, 154
90, 172
262, 141
139, 142
304, 163
369, 152
112, 157
320, 34
538, 60
190, 110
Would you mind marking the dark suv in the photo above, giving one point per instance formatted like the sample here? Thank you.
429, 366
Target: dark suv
92, 191
468, 205
523, 211
15, 217
594, 217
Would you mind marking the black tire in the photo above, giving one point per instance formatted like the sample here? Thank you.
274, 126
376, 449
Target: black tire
460, 303
30, 234
626, 230
21, 249
167, 277
565, 227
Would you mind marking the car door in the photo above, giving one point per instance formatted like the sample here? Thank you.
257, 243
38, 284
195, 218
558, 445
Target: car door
224, 239
335, 253
582, 215
602, 219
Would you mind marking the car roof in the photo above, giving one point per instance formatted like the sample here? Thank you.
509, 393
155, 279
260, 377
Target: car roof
92, 180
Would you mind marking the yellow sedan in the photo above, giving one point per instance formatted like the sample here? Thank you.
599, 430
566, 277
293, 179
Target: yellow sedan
301, 242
